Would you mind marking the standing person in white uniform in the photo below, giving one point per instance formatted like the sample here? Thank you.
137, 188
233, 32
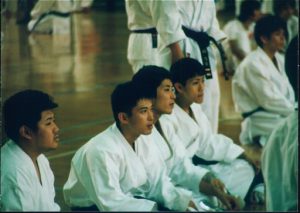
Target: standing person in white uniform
52, 16
280, 155
192, 127
107, 173
151, 22
240, 33
170, 149
27, 181
199, 19
261, 89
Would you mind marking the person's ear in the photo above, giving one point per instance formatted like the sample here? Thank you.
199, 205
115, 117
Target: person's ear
123, 117
179, 87
264, 39
25, 132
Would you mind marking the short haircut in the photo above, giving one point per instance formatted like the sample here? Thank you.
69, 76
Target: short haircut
185, 69
291, 64
247, 9
150, 77
25, 108
125, 97
266, 26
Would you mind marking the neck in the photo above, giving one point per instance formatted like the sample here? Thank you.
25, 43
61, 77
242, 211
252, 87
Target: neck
33, 154
269, 52
183, 103
129, 135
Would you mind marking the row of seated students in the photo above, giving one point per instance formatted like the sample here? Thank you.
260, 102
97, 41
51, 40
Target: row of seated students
166, 176
145, 160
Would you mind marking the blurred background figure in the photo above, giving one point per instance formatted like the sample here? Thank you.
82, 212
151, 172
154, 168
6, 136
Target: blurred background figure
280, 155
240, 33
53, 16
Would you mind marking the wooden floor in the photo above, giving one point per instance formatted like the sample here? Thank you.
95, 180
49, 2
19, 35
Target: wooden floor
80, 69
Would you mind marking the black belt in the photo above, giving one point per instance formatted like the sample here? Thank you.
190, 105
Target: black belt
55, 13
151, 31
203, 40
197, 160
247, 114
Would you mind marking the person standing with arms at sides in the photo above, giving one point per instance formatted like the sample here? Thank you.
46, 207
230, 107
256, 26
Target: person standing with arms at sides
107, 173
201, 27
240, 33
151, 22
204, 185
261, 89
27, 181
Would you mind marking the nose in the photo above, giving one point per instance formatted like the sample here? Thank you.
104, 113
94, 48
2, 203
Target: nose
150, 115
56, 128
201, 86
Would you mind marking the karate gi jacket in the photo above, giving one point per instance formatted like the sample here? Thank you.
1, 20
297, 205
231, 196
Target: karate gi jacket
162, 15
21, 189
280, 166
258, 83
107, 172
198, 139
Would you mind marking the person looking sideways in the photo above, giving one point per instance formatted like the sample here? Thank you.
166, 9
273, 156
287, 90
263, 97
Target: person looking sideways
27, 181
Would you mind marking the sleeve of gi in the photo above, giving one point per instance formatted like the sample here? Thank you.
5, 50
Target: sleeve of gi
167, 20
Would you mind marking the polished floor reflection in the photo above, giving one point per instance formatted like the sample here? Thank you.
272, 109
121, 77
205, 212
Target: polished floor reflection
80, 68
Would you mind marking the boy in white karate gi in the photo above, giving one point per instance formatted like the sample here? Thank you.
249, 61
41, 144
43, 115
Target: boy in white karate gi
200, 17
192, 127
260, 88
27, 181
107, 173
171, 150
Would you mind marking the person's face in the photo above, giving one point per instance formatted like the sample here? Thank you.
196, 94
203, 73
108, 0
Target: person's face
276, 41
141, 119
165, 99
286, 13
46, 136
193, 91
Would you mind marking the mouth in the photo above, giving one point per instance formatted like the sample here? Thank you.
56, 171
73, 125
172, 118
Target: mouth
150, 126
56, 138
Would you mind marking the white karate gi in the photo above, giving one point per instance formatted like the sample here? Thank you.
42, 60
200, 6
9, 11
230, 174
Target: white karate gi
108, 173
162, 15
21, 189
258, 83
179, 166
280, 166
51, 23
236, 31
199, 140
200, 15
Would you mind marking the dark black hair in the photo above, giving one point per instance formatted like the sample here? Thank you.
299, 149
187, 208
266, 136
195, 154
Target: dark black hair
150, 77
291, 64
247, 9
125, 97
185, 69
25, 108
266, 26
280, 5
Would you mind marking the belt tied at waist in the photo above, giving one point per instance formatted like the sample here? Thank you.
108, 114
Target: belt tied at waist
247, 114
203, 40
151, 31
